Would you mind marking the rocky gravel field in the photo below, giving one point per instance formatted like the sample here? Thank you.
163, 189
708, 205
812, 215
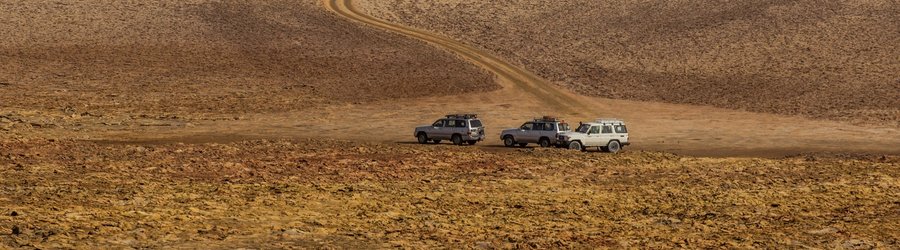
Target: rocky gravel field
314, 193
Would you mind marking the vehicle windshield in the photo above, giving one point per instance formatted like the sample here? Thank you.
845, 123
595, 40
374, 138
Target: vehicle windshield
563, 127
476, 123
621, 129
583, 128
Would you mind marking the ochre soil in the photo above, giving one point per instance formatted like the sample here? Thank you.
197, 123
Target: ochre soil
315, 193
825, 60
277, 124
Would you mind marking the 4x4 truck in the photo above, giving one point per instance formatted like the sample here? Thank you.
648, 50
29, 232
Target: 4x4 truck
607, 134
543, 131
458, 128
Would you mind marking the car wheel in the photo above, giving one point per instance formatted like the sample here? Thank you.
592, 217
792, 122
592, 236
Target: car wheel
509, 141
613, 147
523, 144
436, 141
472, 142
422, 138
576, 145
545, 143
457, 140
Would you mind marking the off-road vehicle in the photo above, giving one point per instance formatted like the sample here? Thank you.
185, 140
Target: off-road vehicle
544, 131
608, 134
458, 128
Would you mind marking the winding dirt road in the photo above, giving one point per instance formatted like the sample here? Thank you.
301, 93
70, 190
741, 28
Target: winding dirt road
683, 129
655, 126
510, 76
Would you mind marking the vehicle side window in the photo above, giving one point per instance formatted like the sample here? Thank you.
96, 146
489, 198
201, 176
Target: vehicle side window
438, 123
595, 130
621, 129
607, 129
451, 123
538, 126
527, 126
461, 123
549, 127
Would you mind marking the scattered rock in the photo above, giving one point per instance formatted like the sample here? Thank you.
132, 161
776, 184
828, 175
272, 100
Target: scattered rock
13, 214
856, 244
15, 230
827, 230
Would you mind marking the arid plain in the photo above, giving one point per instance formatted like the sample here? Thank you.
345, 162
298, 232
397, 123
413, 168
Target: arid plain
206, 124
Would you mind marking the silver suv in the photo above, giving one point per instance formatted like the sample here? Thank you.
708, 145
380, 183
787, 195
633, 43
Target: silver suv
607, 134
543, 131
458, 128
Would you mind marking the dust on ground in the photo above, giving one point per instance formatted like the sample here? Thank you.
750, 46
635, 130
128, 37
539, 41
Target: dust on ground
315, 193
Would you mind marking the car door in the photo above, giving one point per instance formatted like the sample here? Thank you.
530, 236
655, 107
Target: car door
549, 131
536, 131
461, 127
450, 127
606, 134
524, 132
593, 137
437, 129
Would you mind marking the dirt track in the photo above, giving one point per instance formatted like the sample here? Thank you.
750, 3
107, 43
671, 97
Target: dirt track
108, 139
827, 60
684, 129
82, 102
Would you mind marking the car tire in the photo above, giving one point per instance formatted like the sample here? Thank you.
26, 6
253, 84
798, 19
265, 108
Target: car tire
436, 141
423, 138
545, 142
472, 142
613, 147
457, 140
576, 145
509, 141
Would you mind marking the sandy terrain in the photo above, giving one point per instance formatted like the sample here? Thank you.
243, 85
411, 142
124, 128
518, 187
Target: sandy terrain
265, 194
282, 124
203, 59
834, 60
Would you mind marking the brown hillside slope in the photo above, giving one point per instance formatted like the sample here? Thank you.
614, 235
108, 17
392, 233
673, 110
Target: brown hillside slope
834, 60
190, 57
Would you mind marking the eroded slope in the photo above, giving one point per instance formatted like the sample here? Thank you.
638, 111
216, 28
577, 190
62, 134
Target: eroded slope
834, 60
189, 58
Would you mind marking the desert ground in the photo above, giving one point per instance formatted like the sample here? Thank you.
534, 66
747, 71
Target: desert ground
288, 124
830, 60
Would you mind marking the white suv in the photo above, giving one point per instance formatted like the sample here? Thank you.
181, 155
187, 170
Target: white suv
607, 134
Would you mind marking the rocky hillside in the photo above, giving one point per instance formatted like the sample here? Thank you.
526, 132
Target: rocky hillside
188, 57
834, 60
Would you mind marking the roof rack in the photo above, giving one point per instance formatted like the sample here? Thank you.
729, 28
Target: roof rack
547, 118
462, 116
608, 120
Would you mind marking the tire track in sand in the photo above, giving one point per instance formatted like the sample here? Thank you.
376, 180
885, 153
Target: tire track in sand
510, 76
657, 126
